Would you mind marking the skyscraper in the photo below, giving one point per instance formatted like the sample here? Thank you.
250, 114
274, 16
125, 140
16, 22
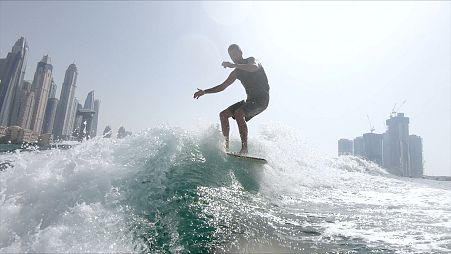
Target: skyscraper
372, 144
2, 63
359, 148
85, 117
78, 118
23, 106
41, 83
397, 151
73, 116
89, 102
345, 147
397, 137
95, 120
416, 156
53, 87
50, 113
64, 120
11, 76
89, 106
50, 110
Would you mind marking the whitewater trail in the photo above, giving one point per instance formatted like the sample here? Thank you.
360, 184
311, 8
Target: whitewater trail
170, 190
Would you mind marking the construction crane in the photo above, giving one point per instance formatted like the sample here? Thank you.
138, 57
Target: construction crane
371, 126
393, 113
395, 110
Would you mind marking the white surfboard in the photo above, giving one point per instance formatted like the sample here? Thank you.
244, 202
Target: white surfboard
244, 156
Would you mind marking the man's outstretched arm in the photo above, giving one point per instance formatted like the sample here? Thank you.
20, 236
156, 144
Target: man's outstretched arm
218, 88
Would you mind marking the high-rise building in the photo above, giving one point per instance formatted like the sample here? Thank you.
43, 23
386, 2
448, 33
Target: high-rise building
53, 87
85, 115
89, 106
73, 116
89, 102
416, 156
2, 63
95, 120
50, 113
359, 149
397, 151
22, 112
64, 115
41, 83
107, 132
397, 155
345, 147
386, 156
11, 76
50, 110
372, 144
78, 118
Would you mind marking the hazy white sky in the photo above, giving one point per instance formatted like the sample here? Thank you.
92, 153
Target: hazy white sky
329, 64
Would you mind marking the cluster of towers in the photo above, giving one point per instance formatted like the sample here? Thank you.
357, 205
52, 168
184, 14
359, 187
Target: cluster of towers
33, 106
397, 151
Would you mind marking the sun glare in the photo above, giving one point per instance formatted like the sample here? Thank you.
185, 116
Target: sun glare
328, 32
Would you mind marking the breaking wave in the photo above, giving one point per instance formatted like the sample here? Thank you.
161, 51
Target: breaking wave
170, 190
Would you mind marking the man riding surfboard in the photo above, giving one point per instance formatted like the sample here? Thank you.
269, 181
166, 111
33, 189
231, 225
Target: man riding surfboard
253, 77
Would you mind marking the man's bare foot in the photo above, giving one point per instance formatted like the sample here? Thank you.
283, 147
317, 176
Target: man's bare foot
243, 150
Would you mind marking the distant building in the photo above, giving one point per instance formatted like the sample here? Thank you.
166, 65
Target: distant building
50, 111
107, 132
397, 154
13, 135
416, 156
78, 119
53, 87
359, 148
2, 132
397, 151
50, 114
18, 135
345, 147
23, 106
11, 75
89, 117
89, 101
386, 156
41, 84
372, 146
121, 132
45, 139
65, 113
95, 120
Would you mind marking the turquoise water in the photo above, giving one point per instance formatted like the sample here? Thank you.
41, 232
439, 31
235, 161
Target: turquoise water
9, 147
168, 190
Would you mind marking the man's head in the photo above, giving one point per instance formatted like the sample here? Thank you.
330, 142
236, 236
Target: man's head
235, 53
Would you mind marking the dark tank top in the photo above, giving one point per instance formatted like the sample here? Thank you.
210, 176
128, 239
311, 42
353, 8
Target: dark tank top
255, 83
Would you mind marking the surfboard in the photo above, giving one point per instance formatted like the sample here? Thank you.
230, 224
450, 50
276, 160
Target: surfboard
243, 156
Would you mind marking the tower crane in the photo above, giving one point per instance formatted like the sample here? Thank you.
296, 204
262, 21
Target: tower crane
371, 126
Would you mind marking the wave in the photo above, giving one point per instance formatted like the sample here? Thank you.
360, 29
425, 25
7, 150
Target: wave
170, 190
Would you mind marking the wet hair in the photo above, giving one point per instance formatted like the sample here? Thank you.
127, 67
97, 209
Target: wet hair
234, 46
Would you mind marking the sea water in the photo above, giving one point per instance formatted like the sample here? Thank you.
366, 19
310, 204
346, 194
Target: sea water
168, 190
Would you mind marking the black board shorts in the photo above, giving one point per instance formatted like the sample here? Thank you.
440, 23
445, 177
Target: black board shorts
251, 107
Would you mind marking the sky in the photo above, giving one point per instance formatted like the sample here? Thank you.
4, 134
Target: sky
330, 65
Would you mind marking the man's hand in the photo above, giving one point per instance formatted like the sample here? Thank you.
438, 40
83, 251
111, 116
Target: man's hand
228, 64
199, 93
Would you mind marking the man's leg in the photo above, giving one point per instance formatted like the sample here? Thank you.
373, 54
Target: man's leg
224, 116
242, 126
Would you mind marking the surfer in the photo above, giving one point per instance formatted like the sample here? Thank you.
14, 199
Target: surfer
253, 77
